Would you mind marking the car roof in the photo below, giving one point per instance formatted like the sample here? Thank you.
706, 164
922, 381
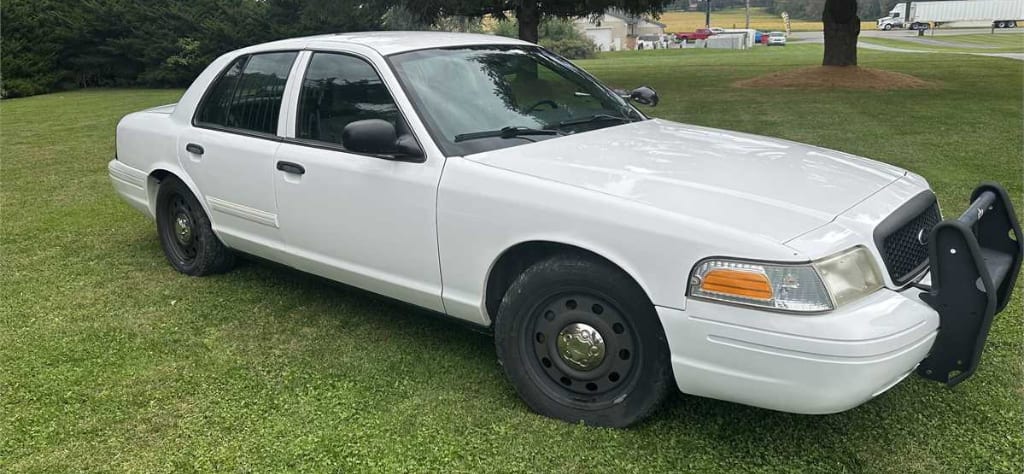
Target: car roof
391, 42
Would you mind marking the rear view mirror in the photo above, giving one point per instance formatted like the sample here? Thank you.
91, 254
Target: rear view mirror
378, 137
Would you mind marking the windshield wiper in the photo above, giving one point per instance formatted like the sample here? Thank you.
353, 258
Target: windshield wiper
595, 118
507, 132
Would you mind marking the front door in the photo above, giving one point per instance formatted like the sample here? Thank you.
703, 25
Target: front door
361, 219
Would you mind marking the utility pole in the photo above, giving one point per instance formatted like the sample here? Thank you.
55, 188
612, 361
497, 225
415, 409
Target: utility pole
707, 14
748, 15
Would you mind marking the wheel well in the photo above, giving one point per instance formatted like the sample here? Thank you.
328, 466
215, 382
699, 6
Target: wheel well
518, 258
159, 175
153, 186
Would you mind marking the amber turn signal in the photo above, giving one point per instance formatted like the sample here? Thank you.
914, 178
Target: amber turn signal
740, 283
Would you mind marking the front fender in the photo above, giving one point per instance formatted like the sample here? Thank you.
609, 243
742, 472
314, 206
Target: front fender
483, 211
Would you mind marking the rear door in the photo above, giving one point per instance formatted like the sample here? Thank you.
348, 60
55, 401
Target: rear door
229, 150
361, 219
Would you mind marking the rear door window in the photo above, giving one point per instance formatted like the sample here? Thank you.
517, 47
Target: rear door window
247, 97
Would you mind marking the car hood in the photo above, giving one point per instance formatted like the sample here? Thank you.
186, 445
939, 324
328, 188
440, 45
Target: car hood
769, 187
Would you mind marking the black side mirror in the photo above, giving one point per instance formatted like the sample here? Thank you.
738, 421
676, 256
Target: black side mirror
645, 96
378, 137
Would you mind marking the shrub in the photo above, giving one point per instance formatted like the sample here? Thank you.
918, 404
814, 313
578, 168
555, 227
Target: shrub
24, 87
558, 35
572, 48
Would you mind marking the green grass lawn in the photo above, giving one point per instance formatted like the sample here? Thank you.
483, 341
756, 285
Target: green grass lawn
1010, 42
109, 360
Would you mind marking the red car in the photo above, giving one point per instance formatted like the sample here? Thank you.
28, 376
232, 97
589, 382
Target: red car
701, 33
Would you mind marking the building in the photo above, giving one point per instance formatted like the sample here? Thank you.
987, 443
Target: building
615, 31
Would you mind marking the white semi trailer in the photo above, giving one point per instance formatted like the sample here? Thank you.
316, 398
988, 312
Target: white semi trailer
954, 14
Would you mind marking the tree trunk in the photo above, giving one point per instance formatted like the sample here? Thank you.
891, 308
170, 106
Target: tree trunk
842, 26
528, 16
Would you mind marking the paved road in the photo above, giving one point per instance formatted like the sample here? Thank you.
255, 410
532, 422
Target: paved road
1017, 56
817, 37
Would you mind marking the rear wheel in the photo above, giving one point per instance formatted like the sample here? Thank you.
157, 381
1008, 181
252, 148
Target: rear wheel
185, 233
580, 341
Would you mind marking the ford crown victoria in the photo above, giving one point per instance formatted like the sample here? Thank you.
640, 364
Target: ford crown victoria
615, 256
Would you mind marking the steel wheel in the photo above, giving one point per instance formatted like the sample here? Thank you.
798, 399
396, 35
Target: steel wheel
580, 341
182, 232
583, 348
186, 235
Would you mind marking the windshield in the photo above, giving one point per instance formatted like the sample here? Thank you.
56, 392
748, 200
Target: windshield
481, 98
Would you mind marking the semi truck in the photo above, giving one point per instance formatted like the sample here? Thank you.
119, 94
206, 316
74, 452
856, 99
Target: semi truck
954, 14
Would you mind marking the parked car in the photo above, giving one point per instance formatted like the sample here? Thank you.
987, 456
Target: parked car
612, 254
701, 33
776, 38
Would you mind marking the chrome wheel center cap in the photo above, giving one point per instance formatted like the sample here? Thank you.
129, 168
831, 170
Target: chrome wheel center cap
581, 346
183, 229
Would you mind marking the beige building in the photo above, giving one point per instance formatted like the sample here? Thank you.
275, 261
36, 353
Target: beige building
615, 31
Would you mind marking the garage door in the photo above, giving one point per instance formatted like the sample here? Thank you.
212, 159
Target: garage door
602, 37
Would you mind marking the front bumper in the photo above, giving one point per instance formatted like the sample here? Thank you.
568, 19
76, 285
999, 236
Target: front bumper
836, 361
799, 364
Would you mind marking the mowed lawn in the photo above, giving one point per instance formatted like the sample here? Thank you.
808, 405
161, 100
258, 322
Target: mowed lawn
109, 360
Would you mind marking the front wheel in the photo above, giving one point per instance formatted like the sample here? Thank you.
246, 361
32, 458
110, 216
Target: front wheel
581, 342
887, 27
185, 233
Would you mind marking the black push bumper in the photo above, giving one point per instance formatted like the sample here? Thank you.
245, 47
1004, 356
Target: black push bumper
974, 264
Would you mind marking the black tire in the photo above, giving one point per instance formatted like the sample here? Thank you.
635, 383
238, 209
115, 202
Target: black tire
621, 387
887, 27
196, 250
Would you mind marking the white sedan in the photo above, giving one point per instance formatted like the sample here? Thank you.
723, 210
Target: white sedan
613, 255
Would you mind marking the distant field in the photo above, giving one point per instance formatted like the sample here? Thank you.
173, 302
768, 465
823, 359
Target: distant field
978, 43
760, 19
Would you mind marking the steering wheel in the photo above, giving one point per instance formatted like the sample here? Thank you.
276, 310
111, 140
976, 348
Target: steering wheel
539, 103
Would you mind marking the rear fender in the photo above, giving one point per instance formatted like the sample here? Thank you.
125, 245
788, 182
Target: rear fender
153, 184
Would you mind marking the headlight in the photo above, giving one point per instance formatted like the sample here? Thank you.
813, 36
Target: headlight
850, 275
807, 288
